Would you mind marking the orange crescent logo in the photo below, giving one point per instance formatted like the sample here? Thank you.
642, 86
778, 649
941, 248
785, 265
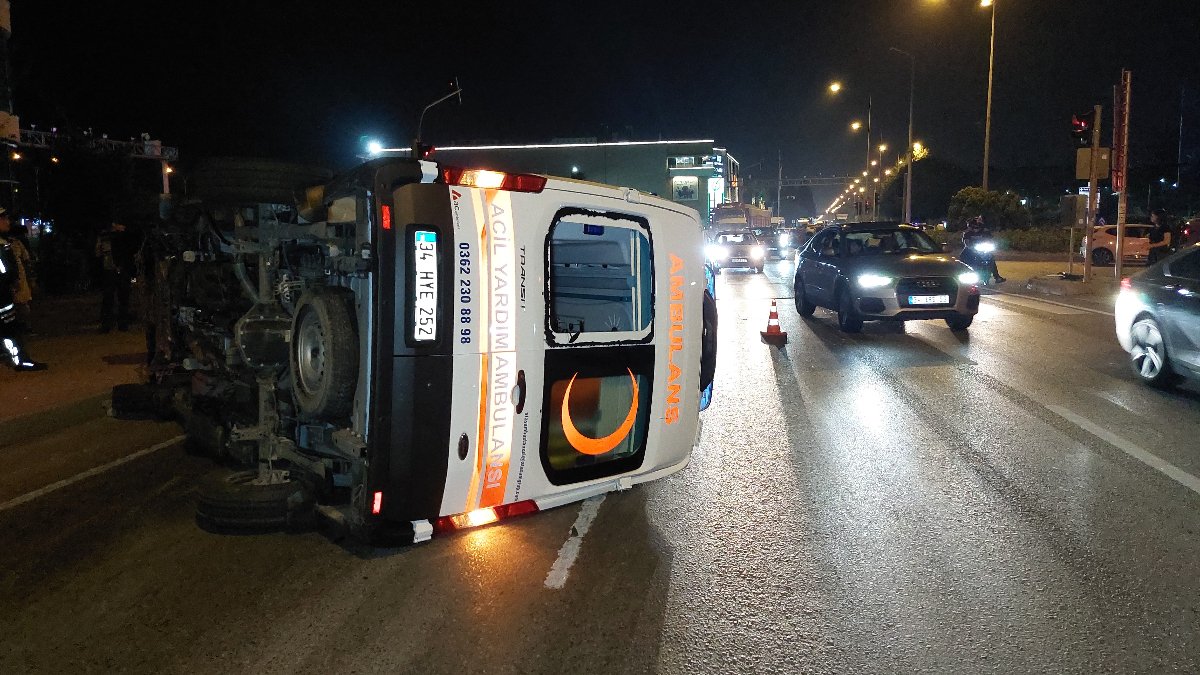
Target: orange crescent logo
597, 446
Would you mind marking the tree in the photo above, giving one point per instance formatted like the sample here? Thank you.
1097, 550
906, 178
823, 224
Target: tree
1000, 210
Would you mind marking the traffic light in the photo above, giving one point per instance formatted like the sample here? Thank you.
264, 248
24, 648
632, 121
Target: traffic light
1081, 129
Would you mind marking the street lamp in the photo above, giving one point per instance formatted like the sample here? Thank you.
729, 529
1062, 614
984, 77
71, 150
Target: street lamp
835, 87
855, 125
912, 88
987, 123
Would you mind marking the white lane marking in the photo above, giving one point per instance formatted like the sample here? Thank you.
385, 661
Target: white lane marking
30, 496
557, 578
1039, 305
1050, 302
1135, 451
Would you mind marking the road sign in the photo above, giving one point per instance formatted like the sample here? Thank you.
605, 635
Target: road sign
1083, 163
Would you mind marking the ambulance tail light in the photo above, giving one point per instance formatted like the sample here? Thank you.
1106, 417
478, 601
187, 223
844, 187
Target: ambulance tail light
484, 516
493, 180
377, 503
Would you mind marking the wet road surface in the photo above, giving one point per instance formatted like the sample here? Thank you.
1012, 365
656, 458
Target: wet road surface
904, 500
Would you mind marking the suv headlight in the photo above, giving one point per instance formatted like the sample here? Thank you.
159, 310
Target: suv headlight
758, 252
873, 281
968, 278
716, 252
785, 239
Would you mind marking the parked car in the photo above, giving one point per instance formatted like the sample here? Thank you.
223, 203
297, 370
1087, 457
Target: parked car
883, 271
1158, 319
1104, 244
737, 249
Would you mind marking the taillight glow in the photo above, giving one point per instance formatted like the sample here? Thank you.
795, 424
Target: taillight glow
493, 180
386, 220
484, 516
377, 504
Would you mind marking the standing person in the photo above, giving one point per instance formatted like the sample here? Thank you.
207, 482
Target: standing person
15, 295
1161, 236
116, 250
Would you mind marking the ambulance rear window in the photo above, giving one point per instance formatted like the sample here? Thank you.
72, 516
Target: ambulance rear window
600, 279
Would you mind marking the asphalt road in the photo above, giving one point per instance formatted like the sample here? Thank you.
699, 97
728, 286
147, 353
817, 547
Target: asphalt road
904, 500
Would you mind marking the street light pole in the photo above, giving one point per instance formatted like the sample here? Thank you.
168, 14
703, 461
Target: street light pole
987, 124
912, 88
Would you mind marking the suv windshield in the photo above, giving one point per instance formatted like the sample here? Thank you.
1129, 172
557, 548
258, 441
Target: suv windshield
736, 238
881, 242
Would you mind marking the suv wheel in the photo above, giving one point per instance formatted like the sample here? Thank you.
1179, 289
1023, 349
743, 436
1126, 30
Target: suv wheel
848, 319
803, 306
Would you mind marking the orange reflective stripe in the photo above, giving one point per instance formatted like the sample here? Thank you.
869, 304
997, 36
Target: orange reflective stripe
597, 446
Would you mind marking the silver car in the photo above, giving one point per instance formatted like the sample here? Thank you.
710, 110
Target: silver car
883, 271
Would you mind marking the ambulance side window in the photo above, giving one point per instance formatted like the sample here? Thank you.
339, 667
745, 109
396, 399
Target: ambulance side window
601, 279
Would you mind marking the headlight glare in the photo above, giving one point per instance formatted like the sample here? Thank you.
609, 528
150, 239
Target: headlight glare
968, 278
758, 253
873, 281
715, 252
985, 247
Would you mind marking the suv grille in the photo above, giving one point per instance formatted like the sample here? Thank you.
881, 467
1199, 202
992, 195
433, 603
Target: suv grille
926, 286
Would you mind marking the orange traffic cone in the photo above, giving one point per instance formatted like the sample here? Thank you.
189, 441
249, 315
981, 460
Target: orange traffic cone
772, 335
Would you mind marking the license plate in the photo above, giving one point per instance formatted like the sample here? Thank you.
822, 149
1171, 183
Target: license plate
425, 285
929, 299
741, 260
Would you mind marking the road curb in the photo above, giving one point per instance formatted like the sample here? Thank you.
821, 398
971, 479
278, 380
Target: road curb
1055, 285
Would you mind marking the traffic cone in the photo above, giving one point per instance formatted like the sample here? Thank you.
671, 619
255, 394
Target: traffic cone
772, 335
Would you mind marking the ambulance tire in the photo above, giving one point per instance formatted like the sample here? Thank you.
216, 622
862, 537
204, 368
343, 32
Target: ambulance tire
241, 180
708, 342
231, 502
324, 353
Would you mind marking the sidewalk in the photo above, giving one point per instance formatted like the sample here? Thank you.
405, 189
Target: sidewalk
83, 363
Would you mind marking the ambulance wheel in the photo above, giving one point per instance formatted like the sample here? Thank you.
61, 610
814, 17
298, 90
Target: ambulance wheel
239, 501
324, 354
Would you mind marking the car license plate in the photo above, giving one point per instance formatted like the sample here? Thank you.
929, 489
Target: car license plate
738, 260
425, 286
929, 299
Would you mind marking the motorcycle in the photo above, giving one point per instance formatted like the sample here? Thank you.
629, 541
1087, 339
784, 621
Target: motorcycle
979, 255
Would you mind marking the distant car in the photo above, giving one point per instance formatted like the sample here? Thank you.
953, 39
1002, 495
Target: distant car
1104, 244
883, 271
1158, 319
780, 242
736, 249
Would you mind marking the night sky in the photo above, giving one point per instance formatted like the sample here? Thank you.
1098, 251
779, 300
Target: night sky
306, 80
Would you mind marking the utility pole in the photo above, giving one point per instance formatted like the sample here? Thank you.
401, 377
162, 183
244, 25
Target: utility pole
987, 123
779, 188
1120, 183
1092, 195
1179, 152
908, 158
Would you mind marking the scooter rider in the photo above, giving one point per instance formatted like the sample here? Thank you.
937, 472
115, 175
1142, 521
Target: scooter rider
978, 232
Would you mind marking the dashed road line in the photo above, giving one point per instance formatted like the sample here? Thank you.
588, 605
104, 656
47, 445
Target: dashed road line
557, 578
1135, 451
95, 471
1010, 296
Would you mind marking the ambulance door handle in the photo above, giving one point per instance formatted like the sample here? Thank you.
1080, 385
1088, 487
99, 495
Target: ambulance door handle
518, 393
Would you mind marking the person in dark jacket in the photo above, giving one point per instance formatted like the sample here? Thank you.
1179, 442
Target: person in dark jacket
117, 249
1162, 239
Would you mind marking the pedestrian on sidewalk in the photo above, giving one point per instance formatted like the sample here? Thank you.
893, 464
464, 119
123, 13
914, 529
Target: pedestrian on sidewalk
15, 295
116, 249
1161, 236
